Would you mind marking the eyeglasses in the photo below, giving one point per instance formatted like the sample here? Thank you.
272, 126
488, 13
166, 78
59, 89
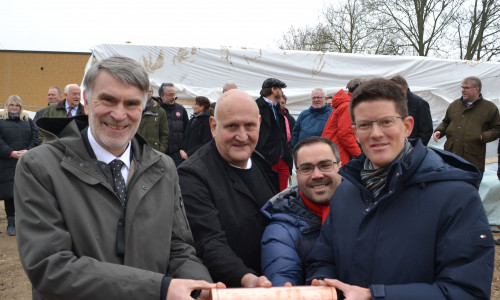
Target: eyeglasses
323, 166
383, 123
318, 98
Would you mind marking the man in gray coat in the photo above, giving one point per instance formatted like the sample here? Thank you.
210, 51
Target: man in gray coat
100, 214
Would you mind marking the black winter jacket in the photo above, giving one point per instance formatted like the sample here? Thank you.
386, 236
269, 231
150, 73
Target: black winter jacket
178, 119
197, 133
419, 109
15, 135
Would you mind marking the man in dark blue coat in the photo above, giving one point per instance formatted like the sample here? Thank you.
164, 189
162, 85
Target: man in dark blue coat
296, 213
407, 222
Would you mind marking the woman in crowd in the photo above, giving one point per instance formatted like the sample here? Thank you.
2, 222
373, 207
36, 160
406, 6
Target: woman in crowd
198, 129
18, 134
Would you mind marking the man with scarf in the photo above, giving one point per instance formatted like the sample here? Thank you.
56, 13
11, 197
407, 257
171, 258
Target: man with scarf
297, 213
407, 222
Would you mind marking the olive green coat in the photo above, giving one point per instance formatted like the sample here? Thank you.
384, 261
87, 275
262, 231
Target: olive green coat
57, 110
67, 215
469, 128
154, 127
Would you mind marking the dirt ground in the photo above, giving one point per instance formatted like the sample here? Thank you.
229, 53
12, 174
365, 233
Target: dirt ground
14, 285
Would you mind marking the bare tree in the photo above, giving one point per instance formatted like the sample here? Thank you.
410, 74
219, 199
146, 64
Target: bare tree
442, 28
478, 30
346, 28
301, 39
420, 23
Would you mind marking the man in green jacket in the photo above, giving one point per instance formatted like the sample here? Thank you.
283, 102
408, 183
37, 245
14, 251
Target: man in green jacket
470, 122
154, 125
99, 213
66, 108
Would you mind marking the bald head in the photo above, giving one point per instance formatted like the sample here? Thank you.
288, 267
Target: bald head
235, 127
234, 100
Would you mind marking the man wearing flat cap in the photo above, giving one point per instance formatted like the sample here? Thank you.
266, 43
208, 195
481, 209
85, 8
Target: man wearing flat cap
272, 142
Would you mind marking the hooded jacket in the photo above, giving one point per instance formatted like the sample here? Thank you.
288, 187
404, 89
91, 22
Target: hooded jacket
67, 215
289, 237
339, 130
310, 123
428, 237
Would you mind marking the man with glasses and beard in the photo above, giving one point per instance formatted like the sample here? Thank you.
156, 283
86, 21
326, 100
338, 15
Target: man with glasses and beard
297, 213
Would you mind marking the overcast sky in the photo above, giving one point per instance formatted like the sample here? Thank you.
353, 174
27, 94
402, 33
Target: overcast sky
77, 25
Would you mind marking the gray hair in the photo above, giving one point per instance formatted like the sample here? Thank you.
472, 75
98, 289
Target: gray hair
66, 88
124, 69
228, 84
319, 89
474, 81
59, 91
161, 90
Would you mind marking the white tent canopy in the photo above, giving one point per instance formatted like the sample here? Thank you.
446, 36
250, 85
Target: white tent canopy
203, 71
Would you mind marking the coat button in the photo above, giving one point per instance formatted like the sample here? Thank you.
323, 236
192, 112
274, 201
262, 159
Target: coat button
144, 187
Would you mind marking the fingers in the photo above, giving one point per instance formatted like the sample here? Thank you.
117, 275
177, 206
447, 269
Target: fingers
336, 284
288, 284
250, 280
263, 282
436, 136
202, 285
350, 292
317, 282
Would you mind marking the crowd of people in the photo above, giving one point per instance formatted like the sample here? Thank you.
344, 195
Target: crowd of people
126, 197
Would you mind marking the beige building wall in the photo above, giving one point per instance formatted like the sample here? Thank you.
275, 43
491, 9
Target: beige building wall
29, 74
